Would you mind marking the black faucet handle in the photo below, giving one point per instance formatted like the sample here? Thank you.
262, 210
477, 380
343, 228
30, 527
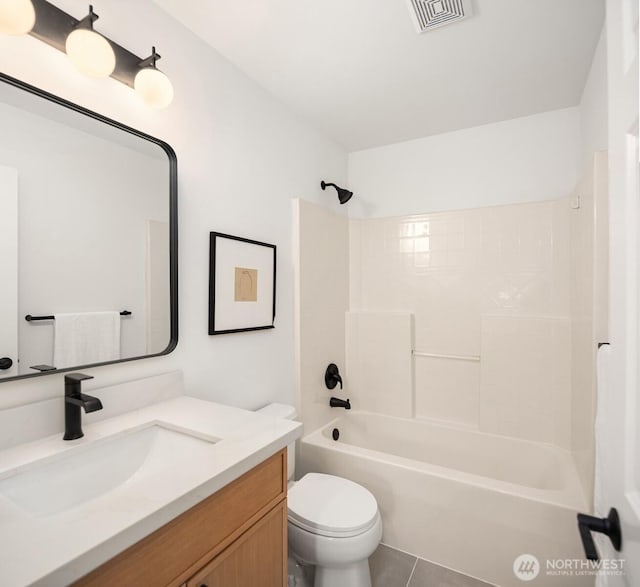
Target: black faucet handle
74, 403
332, 376
77, 377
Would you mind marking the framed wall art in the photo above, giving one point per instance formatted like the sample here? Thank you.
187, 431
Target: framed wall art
242, 284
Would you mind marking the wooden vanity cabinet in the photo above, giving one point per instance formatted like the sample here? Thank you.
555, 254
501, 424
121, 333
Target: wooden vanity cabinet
254, 559
235, 538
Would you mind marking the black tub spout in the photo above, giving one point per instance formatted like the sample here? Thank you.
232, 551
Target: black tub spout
336, 402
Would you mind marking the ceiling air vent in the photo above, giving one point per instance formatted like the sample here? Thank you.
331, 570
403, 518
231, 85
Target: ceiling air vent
430, 14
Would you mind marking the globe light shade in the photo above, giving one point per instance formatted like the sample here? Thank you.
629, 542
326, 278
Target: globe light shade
17, 17
154, 87
90, 53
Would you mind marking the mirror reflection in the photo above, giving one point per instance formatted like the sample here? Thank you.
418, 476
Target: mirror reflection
85, 227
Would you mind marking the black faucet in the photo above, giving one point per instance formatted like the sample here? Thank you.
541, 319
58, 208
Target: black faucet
73, 401
336, 402
332, 376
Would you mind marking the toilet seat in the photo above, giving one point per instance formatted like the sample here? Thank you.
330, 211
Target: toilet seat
331, 506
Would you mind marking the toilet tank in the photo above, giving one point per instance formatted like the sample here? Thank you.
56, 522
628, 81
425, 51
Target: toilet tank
284, 412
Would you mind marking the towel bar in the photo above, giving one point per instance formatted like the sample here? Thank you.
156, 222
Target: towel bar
30, 318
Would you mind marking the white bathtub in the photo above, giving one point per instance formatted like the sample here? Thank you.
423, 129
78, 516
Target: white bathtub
469, 501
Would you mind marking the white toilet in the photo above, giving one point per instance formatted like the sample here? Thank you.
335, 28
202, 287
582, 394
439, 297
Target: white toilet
334, 523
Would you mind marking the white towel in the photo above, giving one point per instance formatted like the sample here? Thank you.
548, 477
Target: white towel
85, 338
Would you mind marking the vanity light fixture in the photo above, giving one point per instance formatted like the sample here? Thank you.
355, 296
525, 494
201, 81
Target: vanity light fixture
17, 17
153, 86
91, 53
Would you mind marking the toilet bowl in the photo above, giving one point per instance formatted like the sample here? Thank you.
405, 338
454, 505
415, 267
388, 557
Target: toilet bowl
334, 524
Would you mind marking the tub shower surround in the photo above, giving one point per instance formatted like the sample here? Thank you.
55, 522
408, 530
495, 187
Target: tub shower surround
486, 301
486, 318
469, 344
487, 286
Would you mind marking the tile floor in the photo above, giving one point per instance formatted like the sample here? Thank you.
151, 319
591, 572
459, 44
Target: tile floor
393, 568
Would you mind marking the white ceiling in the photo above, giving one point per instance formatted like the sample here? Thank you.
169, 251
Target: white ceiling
358, 71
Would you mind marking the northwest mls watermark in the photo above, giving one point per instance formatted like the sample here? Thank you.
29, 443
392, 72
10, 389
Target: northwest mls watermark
527, 567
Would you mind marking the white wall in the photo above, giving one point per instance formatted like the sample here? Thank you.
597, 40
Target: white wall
242, 157
594, 114
527, 159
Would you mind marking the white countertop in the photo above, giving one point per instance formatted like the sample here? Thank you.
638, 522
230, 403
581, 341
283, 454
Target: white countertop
60, 548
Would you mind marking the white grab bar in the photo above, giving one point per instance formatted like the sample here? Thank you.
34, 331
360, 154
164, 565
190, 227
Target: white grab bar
454, 357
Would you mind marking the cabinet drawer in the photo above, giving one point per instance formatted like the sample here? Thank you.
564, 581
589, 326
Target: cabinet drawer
257, 558
173, 553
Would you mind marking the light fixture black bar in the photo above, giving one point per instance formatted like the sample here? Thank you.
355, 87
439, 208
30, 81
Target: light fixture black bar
30, 318
53, 26
127, 65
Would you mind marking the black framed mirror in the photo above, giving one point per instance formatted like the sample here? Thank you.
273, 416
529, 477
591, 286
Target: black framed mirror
88, 234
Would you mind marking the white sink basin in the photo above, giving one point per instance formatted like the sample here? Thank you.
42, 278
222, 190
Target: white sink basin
65, 481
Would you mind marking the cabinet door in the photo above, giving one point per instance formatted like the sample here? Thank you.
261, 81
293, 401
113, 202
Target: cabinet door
258, 557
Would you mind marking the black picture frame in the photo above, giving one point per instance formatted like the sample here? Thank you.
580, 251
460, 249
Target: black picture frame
219, 260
